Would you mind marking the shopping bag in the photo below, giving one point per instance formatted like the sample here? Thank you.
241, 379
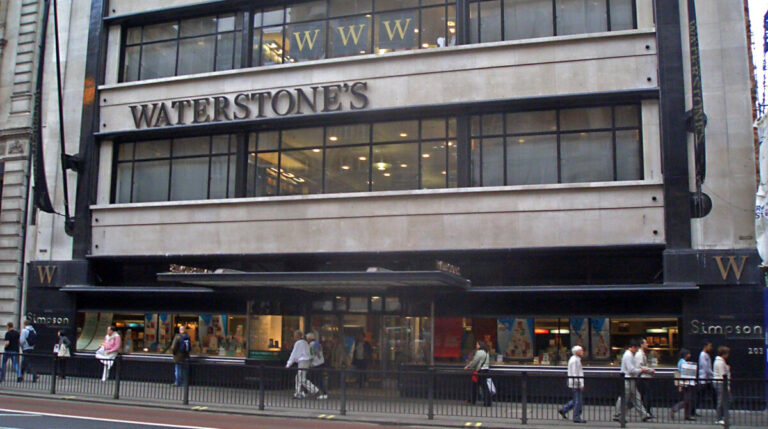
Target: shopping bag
63, 351
491, 386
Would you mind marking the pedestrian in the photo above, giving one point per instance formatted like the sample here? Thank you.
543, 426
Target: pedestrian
631, 371
317, 373
180, 348
361, 354
705, 376
62, 351
643, 383
28, 341
576, 384
722, 383
11, 352
107, 353
300, 355
685, 380
480, 366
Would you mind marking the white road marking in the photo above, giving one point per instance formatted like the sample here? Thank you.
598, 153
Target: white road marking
132, 422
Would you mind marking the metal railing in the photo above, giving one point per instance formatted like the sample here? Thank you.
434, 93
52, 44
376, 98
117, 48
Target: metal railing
523, 397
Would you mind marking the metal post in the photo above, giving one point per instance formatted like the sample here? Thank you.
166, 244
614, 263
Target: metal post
343, 410
524, 398
726, 402
431, 393
185, 373
623, 396
53, 374
118, 359
261, 386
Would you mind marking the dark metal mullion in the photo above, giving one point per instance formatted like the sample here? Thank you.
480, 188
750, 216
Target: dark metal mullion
370, 157
322, 149
559, 149
178, 47
282, 59
504, 143
141, 51
640, 137
419, 152
554, 17
327, 48
479, 29
608, 14
170, 168
210, 161
216, 43
634, 14
133, 171
503, 30
246, 39
613, 144
279, 147
447, 154
480, 143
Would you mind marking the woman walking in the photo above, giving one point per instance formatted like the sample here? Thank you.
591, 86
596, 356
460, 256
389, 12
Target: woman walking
686, 372
62, 352
480, 373
107, 353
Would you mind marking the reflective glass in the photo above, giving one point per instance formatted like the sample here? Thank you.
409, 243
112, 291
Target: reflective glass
490, 21
474, 22
531, 160
586, 157
581, 16
433, 129
150, 181
433, 27
493, 125
396, 31
124, 171
271, 17
221, 144
196, 55
525, 19
191, 146
475, 163
395, 4
350, 36
348, 134
272, 45
153, 149
125, 151
164, 31
493, 161
532, 122
453, 159
225, 50
585, 119
346, 169
628, 156
189, 179
158, 60
305, 11
395, 131
268, 140
133, 36
395, 167
219, 176
627, 116
198, 26
305, 41
266, 174
131, 64
349, 7
301, 172
433, 166
226, 23
302, 137
622, 15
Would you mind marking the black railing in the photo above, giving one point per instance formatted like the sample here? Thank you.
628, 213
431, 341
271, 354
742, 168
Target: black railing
523, 397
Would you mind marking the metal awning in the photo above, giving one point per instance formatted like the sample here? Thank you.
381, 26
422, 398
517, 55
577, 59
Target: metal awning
339, 281
666, 287
133, 289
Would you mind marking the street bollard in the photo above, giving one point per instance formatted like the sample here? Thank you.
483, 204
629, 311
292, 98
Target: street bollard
623, 398
343, 410
261, 386
53, 374
118, 359
186, 373
726, 394
431, 393
524, 398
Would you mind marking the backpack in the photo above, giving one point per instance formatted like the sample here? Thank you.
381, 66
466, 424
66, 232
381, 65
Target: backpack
31, 337
184, 345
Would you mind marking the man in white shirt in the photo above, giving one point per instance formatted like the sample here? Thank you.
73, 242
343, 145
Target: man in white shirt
576, 384
643, 386
705, 375
301, 356
631, 371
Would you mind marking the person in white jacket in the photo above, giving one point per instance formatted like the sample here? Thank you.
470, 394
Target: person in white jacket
576, 384
302, 357
722, 371
631, 371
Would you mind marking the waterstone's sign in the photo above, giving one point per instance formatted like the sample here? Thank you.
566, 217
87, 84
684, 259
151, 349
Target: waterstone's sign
251, 105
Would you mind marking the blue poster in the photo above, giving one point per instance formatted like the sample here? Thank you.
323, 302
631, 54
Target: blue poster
600, 338
514, 338
580, 333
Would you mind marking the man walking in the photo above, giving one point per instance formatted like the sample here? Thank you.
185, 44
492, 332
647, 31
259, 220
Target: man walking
705, 375
631, 371
11, 352
644, 384
301, 356
180, 349
28, 342
576, 384
317, 375
722, 383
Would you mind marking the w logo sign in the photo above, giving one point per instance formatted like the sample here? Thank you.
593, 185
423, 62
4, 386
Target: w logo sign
730, 264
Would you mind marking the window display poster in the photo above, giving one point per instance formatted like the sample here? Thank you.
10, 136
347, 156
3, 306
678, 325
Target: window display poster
580, 333
601, 338
150, 331
165, 326
515, 338
448, 332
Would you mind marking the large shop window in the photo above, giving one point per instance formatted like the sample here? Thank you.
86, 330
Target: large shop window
495, 20
194, 168
595, 144
354, 158
338, 28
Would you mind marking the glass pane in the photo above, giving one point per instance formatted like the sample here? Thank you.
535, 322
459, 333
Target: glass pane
232, 170
272, 17
532, 122
395, 131
266, 174
268, 140
581, 16
526, 19
493, 125
476, 170
256, 45
358, 304
451, 127
433, 129
158, 60
490, 21
151, 181
452, 164
451, 36
225, 45
586, 157
348, 134
396, 31
302, 137
433, 27
395, 4
226, 23
301, 172
125, 151
123, 186
475, 126
198, 26
349, 7
622, 15
221, 144
219, 176
627, 116
346, 169
196, 55
191, 146
493, 161
272, 46
391, 304
131, 66
433, 167
628, 156
585, 119
395, 167
305, 42
305, 11
133, 36
531, 160
189, 179
474, 23
350, 36
153, 149
164, 31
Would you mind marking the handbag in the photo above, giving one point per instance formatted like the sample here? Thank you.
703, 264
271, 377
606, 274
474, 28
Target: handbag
56, 349
491, 386
475, 377
63, 351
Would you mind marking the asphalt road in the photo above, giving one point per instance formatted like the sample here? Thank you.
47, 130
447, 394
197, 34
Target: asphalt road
33, 413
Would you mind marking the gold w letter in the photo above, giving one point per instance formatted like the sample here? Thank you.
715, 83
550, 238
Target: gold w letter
724, 270
47, 276
351, 33
306, 40
400, 29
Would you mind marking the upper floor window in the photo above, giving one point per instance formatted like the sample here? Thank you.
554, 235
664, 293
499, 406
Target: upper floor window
495, 20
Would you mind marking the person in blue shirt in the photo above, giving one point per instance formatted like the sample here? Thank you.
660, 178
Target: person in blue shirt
686, 385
